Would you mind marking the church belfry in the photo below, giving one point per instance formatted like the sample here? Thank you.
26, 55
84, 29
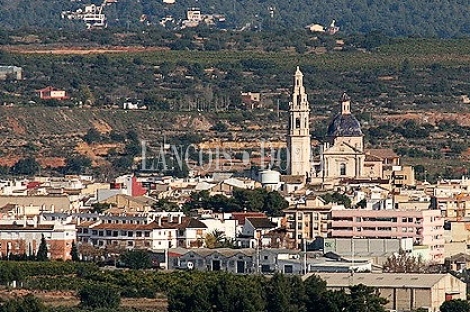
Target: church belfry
298, 138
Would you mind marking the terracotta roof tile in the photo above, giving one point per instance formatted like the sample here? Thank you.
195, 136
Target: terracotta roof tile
261, 223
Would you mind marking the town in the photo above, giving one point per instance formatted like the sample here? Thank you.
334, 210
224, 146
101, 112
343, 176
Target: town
226, 156
341, 212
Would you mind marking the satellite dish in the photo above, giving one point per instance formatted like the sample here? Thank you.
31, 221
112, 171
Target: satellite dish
190, 265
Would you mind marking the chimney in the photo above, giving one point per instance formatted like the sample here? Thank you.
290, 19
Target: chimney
170, 217
180, 218
160, 221
35, 221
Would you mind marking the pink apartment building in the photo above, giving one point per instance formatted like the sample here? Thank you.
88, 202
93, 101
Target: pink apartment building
425, 227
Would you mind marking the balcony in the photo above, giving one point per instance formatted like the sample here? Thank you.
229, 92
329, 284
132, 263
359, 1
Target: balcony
341, 224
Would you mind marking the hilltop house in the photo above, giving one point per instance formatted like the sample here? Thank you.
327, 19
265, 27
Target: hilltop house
51, 93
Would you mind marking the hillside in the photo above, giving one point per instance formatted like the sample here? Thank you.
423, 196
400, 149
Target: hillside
59, 133
429, 18
409, 94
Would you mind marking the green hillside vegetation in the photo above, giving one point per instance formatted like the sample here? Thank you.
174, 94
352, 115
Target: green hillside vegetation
423, 18
198, 88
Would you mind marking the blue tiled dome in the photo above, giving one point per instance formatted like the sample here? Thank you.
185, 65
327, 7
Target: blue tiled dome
344, 125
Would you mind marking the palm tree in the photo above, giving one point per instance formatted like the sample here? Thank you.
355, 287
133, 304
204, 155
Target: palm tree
215, 239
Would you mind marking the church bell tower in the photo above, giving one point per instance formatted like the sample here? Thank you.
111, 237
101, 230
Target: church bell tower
298, 138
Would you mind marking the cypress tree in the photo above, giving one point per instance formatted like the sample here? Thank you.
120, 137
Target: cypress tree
42, 251
74, 252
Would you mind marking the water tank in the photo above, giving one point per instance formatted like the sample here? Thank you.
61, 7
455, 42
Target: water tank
270, 177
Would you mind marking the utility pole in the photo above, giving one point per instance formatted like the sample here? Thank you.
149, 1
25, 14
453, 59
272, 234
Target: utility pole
352, 261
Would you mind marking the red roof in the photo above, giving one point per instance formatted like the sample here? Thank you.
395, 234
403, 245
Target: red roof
33, 184
241, 216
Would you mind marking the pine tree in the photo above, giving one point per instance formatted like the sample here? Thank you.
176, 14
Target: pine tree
74, 252
42, 251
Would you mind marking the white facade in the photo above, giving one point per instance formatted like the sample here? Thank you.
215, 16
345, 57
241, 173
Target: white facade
298, 139
229, 227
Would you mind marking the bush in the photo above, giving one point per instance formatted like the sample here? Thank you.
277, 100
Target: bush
100, 296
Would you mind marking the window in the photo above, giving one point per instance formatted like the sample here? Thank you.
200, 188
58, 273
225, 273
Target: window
108, 232
297, 123
130, 243
147, 234
342, 169
130, 234
138, 234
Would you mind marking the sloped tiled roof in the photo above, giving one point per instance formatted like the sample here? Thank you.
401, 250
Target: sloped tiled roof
293, 179
241, 216
261, 223
381, 152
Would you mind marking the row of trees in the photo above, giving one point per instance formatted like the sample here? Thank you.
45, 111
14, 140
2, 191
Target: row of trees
411, 18
193, 290
258, 200
226, 292
74, 164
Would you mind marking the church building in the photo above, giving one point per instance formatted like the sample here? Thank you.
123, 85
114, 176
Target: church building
341, 155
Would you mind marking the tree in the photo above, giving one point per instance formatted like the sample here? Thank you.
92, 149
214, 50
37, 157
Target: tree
404, 263
279, 291
77, 164
362, 203
116, 136
165, 205
365, 299
92, 136
337, 198
455, 305
215, 239
74, 252
99, 207
28, 303
137, 259
42, 254
26, 166
274, 203
181, 171
132, 136
99, 296
219, 127
191, 294
315, 294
